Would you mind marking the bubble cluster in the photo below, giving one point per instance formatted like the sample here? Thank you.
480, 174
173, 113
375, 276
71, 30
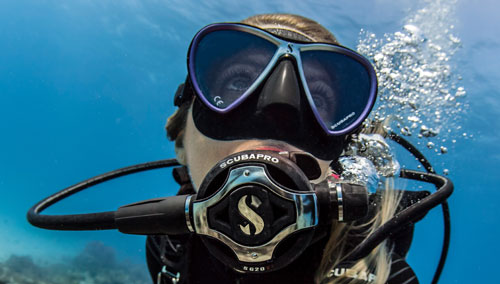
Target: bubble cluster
366, 158
419, 88
359, 170
375, 148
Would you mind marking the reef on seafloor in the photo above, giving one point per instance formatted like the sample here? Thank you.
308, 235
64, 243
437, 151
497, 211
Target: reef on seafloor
95, 264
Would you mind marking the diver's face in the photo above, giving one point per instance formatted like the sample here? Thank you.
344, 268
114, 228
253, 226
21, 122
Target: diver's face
276, 117
202, 152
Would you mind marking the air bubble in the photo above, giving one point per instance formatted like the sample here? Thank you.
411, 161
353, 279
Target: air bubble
413, 118
406, 131
428, 132
378, 57
444, 150
460, 92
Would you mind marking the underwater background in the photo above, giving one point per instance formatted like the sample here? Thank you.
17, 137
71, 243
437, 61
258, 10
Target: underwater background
86, 87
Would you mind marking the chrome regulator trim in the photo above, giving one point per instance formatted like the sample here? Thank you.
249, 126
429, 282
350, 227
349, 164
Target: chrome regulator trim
305, 206
340, 201
186, 213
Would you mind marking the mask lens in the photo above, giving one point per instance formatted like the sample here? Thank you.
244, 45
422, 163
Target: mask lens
227, 63
339, 86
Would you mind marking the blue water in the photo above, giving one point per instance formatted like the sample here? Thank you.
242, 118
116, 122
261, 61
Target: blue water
86, 87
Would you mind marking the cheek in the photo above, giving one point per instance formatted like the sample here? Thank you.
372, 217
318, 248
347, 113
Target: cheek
202, 153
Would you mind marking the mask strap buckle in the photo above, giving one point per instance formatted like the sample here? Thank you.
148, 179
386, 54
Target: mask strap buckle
174, 278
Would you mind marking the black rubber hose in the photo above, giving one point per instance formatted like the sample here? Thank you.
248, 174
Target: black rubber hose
445, 188
446, 242
91, 221
414, 151
446, 210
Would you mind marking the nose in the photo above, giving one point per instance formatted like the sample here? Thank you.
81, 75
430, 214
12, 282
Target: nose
280, 95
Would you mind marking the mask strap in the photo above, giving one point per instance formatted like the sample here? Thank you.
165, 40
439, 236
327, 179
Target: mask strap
183, 94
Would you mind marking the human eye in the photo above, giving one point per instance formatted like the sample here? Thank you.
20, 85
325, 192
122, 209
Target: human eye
234, 81
237, 78
240, 71
323, 96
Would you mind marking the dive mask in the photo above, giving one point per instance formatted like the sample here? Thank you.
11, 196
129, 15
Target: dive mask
228, 62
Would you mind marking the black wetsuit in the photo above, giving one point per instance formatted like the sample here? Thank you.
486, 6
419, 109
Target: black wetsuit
188, 256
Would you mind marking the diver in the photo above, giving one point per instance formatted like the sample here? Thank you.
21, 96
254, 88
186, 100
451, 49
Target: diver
245, 94
268, 108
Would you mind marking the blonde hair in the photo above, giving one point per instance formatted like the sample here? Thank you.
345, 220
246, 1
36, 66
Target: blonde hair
378, 261
336, 249
301, 25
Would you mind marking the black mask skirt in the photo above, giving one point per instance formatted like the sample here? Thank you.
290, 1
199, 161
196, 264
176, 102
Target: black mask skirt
277, 110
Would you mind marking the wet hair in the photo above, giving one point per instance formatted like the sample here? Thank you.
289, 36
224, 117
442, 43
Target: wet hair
338, 246
176, 123
279, 24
